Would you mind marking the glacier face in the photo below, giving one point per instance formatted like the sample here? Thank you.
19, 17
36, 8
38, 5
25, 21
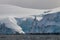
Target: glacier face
50, 23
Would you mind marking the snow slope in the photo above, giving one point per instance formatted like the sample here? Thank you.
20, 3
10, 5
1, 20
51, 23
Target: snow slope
10, 10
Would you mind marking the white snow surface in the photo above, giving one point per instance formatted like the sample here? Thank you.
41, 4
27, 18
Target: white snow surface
10, 10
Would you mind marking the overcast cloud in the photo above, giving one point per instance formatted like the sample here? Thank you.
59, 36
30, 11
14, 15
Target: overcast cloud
37, 4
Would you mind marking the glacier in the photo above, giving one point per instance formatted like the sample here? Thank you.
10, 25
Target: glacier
49, 23
19, 20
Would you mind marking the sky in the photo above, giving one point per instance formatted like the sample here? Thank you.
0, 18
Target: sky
35, 4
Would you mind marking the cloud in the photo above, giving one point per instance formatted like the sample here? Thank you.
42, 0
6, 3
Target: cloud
39, 4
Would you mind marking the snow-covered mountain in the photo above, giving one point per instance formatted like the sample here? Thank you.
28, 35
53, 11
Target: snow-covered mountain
7, 14
24, 20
